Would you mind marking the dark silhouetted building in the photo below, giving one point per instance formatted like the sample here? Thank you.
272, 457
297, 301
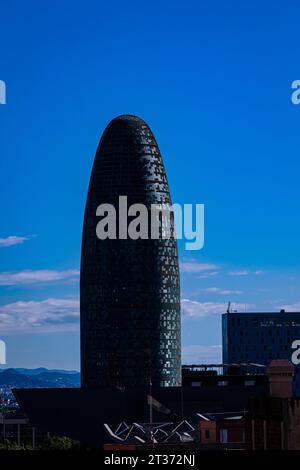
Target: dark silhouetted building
273, 422
260, 338
129, 289
234, 378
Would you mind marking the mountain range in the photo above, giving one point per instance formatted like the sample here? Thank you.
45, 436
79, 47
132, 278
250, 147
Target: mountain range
38, 378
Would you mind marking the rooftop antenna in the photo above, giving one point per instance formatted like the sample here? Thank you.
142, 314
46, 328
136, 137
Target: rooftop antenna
228, 308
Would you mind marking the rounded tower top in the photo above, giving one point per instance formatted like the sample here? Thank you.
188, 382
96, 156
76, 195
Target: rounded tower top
128, 118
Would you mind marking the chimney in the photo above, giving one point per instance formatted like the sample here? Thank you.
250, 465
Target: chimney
280, 373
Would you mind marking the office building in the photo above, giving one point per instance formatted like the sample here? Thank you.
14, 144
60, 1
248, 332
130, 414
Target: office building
260, 338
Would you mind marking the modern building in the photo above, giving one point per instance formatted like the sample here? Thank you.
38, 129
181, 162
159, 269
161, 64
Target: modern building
238, 379
260, 338
129, 288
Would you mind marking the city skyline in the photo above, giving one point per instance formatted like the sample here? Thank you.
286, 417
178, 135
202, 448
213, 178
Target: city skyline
233, 147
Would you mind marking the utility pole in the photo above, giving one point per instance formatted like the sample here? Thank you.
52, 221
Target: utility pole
150, 389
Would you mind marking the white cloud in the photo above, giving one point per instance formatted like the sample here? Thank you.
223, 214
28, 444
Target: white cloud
194, 267
195, 309
12, 240
208, 275
219, 290
36, 276
199, 354
212, 289
39, 316
295, 307
239, 273
245, 272
230, 292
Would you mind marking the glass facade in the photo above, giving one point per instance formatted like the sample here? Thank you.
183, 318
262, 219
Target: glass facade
129, 289
261, 337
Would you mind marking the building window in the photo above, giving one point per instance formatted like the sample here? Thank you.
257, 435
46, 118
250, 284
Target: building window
206, 434
196, 384
249, 383
223, 436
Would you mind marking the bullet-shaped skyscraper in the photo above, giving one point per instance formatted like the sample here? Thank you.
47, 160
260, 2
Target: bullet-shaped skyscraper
129, 289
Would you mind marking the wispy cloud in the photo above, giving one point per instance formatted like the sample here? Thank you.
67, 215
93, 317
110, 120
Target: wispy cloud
195, 309
199, 354
195, 267
208, 275
12, 240
36, 276
245, 272
230, 292
294, 307
48, 315
220, 291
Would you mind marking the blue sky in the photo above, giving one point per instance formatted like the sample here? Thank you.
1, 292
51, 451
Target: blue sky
213, 81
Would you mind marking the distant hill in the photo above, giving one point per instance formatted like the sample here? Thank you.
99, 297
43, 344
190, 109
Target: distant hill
38, 378
40, 370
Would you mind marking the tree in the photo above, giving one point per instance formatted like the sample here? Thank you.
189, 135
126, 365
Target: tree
59, 443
